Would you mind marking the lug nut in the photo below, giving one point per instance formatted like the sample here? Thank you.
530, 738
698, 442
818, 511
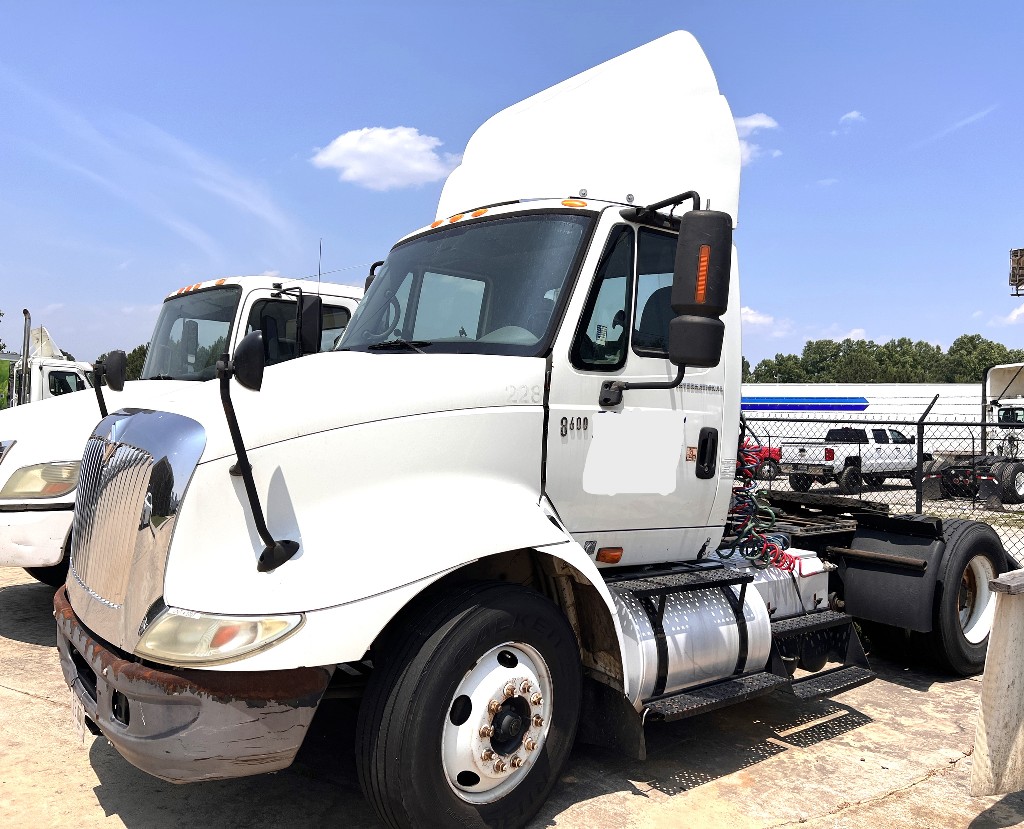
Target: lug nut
499, 766
516, 761
493, 706
538, 721
487, 731
487, 755
529, 744
510, 690
525, 687
536, 699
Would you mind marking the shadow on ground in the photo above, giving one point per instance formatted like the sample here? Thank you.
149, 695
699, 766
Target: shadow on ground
26, 614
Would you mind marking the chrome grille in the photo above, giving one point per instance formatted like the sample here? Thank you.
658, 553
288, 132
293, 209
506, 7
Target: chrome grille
133, 476
112, 487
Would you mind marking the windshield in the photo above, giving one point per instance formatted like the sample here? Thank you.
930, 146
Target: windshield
487, 287
191, 333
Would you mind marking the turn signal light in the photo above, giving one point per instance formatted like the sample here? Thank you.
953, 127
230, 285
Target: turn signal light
609, 555
701, 294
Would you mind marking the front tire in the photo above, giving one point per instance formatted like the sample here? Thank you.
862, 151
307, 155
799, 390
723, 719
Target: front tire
441, 741
54, 576
962, 616
849, 481
1011, 480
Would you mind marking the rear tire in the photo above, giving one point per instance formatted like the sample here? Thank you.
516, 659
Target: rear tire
767, 470
1011, 482
800, 483
849, 481
419, 744
962, 616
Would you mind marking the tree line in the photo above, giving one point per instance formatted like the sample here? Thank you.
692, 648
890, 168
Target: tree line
897, 361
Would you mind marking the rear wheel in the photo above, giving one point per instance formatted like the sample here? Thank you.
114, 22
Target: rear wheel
800, 483
1011, 481
964, 611
849, 481
471, 715
767, 470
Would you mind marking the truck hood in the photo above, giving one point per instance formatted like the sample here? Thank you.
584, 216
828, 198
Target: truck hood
334, 390
56, 429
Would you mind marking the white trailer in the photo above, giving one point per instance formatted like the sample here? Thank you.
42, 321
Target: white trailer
840, 401
501, 514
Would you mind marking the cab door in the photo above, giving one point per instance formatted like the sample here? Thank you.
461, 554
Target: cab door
642, 475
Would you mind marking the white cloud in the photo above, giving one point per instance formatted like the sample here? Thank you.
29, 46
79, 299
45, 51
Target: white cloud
749, 125
1015, 316
851, 117
853, 334
751, 317
380, 158
827, 182
977, 315
970, 119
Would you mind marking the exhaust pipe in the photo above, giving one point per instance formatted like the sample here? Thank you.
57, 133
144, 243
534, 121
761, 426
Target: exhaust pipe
23, 391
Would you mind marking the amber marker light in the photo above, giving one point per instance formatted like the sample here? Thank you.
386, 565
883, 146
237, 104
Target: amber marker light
456, 217
438, 223
609, 555
476, 214
701, 294
220, 282
573, 203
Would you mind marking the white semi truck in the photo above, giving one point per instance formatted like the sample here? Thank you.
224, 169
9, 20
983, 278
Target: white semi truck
48, 370
40, 445
501, 513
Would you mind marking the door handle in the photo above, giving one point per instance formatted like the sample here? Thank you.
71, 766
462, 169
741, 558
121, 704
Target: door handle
707, 452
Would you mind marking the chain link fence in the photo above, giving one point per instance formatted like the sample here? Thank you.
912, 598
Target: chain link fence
948, 468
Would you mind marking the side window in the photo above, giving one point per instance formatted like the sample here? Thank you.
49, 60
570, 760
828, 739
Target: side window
64, 382
334, 320
449, 307
655, 264
880, 435
899, 437
600, 343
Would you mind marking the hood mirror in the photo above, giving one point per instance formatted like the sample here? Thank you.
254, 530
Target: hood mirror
249, 361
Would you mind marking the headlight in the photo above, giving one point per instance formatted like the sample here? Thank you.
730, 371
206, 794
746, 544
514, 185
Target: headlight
44, 480
183, 637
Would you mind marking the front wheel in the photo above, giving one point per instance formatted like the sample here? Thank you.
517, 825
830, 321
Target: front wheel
470, 715
54, 576
965, 609
849, 481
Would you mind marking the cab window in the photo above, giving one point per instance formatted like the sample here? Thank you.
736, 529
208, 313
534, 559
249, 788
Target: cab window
64, 382
600, 343
656, 257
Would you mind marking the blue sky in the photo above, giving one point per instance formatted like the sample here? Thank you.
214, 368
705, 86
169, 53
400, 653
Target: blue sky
144, 147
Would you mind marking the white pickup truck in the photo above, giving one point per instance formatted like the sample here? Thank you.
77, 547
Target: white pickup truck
853, 456
40, 445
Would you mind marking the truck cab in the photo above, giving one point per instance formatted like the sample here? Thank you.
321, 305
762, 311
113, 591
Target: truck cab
41, 445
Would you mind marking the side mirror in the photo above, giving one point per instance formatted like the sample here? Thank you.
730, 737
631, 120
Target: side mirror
700, 288
115, 368
310, 323
248, 362
372, 275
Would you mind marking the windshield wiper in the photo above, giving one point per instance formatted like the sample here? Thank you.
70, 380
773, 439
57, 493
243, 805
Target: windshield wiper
161, 377
398, 342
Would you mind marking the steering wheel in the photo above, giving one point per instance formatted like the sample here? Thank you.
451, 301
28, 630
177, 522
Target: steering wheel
387, 323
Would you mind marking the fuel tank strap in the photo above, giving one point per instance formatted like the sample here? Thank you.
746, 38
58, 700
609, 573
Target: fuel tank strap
743, 636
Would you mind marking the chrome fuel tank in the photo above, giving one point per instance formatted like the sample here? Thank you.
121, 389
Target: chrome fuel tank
702, 637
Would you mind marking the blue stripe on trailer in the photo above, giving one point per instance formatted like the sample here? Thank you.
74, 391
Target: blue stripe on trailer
804, 404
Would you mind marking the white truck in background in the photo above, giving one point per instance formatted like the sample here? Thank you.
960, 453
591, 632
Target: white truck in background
49, 371
854, 456
502, 514
40, 446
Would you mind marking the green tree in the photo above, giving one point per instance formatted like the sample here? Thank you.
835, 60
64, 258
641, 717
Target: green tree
784, 368
135, 361
745, 373
820, 360
970, 355
857, 362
